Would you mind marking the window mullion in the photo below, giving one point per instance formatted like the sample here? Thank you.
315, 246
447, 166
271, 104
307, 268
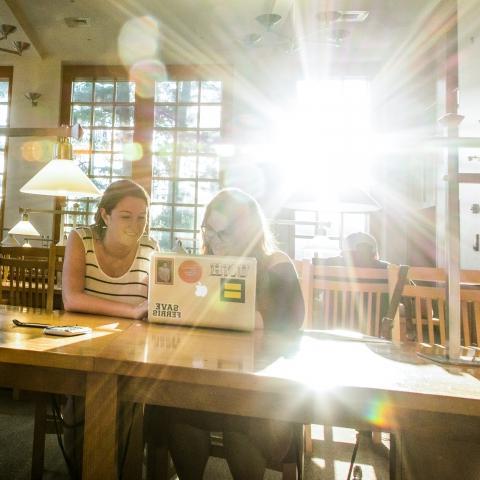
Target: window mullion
143, 135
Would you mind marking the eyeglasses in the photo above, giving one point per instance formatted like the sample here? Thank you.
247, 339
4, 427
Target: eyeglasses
222, 235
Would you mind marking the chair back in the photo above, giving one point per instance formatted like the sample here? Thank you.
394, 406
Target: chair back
349, 298
31, 253
24, 252
304, 272
470, 306
26, 282
55, 267
423, 305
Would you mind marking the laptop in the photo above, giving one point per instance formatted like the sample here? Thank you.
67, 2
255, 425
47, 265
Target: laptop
202, 291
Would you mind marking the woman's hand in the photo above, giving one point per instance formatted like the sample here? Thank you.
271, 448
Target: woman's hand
140, 311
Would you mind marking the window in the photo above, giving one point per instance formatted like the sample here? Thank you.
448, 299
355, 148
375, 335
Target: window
105, 107
330, 112
5, 95
187, 126
166, 143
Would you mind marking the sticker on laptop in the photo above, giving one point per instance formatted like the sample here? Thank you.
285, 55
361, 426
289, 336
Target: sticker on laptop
164, 271
232, 290
190, 271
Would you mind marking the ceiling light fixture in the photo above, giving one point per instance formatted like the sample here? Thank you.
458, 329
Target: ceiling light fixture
332, 16
18, 46
252, 39
6, 30
268, 20
280, 37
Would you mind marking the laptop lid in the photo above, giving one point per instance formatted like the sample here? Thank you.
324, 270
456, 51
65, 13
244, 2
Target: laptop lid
202, 291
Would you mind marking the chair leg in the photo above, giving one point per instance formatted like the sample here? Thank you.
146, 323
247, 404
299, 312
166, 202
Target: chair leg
377, 437
394, 458
39, 432
308, 443
157, 462
289, 471
132, 467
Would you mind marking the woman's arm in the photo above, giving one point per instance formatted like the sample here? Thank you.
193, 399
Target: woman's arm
286, 307
73, 284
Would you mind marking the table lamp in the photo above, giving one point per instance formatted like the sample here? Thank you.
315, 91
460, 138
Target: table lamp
61, 176
25, 228
10, 241
347, 199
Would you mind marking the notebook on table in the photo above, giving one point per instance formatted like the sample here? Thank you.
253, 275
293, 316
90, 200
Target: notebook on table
202, 291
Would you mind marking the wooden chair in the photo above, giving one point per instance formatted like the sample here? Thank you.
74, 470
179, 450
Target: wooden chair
346, 298
423, 298
349, 298
23, 253
30, 276
26, 282
160, 467
470, 307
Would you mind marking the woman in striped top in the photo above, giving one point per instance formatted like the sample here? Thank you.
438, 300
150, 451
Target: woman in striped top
106, 265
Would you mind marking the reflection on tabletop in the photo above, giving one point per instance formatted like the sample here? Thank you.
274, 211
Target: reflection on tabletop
310, 359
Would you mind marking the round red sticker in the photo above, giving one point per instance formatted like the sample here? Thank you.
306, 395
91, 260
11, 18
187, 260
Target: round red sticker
190, 271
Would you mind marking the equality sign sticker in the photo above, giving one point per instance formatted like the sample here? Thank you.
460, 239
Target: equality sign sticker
190, 271
232, 290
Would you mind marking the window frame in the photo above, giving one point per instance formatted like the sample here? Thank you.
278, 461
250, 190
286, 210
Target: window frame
6, 72
144, 109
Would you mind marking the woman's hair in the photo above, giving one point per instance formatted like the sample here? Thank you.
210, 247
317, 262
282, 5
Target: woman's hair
114, 193
238, 206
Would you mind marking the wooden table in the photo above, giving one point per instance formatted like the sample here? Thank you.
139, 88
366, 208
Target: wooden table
303, 378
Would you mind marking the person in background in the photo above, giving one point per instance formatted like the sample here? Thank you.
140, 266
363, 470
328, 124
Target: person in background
359, 249
234, 225
106, 265
105, 271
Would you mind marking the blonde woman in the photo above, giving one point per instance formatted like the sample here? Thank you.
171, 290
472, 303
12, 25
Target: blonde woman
234, 225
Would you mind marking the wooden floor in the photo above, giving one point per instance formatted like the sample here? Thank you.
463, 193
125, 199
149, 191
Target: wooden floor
332, 451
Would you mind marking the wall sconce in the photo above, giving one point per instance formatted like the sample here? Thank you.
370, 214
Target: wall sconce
33, 97
26, 228
18, 46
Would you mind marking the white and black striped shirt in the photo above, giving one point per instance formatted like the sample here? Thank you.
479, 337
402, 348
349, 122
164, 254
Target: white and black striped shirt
128, 288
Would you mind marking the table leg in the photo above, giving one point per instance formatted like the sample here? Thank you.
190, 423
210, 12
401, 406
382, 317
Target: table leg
424, 457
39, 432
100, 447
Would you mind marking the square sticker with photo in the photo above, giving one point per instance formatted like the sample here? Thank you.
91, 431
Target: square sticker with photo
164, 271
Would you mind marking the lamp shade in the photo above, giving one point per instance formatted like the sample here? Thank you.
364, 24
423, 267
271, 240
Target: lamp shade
350, 199
61, 178
10, 241
24, 227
